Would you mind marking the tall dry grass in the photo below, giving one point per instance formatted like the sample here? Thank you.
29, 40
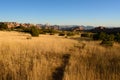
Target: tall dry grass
55, 58
94, 62
30, 59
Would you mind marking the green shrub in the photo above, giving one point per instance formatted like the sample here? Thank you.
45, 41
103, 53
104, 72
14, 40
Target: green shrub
108, 40
99, 36
41, 31
96, 36
52, 33
70, 34
34, 31
3, 26
27, 30
86, 35
61, 34
111, 37
102, 36
107, 43
117, 37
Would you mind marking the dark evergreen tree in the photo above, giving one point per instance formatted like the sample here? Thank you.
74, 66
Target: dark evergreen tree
3, 26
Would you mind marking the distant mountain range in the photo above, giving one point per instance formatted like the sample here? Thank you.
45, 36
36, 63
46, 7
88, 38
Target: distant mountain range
62, 27
67, 27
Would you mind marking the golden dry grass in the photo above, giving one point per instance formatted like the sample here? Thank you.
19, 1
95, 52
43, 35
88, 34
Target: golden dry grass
31, 59
41, 58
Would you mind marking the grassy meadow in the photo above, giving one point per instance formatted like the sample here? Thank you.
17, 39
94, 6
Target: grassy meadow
52, 57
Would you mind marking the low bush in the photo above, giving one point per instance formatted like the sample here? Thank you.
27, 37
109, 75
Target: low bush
34, 31
84, 35
3, 26
61, 34
70, 34
117, 37
107, 43
52, 33
108, 40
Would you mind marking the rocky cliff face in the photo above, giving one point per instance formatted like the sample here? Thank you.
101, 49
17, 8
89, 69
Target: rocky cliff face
15, 24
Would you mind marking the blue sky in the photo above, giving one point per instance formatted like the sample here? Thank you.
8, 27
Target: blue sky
65, 12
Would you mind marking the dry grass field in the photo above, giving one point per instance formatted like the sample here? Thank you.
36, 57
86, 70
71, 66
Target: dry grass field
51, 57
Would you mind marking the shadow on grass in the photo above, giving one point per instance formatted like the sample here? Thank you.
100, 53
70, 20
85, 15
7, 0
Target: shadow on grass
58, 74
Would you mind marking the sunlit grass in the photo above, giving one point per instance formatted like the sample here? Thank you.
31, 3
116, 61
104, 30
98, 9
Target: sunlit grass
39, 57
